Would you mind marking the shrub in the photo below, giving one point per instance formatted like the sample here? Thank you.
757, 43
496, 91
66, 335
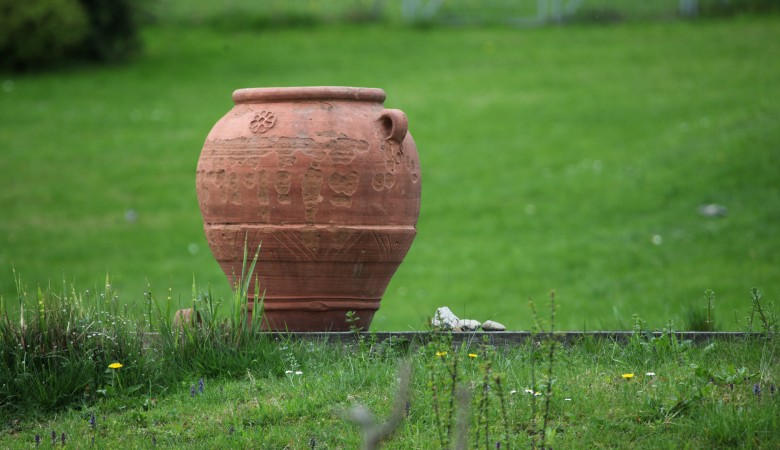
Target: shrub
46, 33
733, 7
113, 29
40, 33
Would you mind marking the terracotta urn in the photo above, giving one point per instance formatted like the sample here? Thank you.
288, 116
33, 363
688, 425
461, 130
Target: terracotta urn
328, 181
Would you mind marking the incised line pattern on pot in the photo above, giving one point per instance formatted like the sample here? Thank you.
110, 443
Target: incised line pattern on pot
310, 243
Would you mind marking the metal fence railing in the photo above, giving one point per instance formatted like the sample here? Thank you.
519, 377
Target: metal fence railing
539, 12
478, 12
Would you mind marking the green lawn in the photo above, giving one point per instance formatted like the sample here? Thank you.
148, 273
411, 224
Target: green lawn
568, 158
644, 395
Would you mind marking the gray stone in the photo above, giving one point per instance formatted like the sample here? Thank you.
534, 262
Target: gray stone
444, 319
490, 325
468, 324
713, 210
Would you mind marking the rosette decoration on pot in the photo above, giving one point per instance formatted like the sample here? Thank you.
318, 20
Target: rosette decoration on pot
328, 180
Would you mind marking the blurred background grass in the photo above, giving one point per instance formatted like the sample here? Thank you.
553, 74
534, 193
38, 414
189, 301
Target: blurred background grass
569, 157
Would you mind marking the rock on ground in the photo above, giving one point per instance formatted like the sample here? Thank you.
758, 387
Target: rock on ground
490, 325
444, 319
468, 324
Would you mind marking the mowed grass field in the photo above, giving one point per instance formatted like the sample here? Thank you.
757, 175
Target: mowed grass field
569, 158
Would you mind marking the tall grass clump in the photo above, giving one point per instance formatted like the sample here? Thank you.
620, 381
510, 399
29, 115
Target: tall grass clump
762, 313
61, 347
210, 343
540, 347
703, 319
56, 345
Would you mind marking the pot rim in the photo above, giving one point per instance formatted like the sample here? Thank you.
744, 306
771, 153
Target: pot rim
281, 94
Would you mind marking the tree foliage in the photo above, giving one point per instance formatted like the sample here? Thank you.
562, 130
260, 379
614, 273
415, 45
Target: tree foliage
48, 33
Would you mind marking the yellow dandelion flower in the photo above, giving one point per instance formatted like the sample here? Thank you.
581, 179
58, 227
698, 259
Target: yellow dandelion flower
115, 365
628, 376
472, 355
441, 353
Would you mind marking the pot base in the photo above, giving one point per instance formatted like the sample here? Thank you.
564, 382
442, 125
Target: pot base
329, 315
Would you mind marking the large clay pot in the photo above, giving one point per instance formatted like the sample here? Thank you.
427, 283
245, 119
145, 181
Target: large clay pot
328, 180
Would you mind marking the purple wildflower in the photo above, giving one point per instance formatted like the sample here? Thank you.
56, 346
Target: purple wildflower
37, 440
192, 391
772, 389
201, 386
757, 389
92, 421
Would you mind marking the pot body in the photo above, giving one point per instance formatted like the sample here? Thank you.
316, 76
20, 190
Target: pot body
327, 181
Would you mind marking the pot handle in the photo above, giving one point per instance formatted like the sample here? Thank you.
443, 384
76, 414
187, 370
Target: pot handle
395, 123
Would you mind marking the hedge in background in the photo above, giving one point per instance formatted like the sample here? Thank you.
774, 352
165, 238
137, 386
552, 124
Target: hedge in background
46, 33
734, 7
